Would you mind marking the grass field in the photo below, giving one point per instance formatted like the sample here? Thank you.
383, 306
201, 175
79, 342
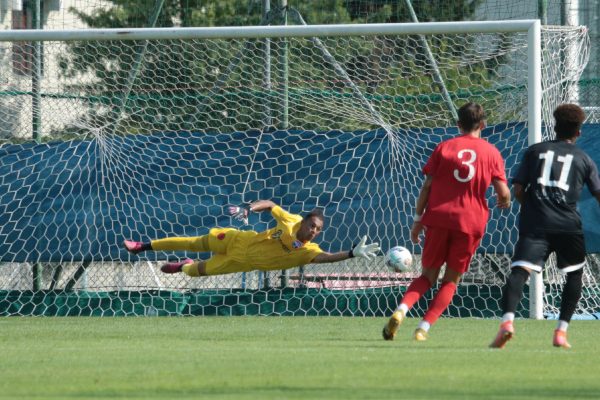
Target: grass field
290, 358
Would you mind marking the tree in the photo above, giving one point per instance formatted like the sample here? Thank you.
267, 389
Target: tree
397, 11
181, 84
217, 85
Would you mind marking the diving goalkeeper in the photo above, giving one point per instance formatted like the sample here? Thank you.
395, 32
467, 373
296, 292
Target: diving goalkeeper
287, 245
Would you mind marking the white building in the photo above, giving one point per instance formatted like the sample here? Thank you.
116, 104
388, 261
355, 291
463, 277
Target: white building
17, 69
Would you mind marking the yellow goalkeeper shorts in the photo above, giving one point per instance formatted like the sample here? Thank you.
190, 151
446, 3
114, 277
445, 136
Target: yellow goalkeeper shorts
229, 251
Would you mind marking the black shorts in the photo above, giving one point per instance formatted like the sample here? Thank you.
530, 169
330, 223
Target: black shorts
533, 249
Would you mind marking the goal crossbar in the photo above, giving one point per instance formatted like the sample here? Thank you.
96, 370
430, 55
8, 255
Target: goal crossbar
256, 32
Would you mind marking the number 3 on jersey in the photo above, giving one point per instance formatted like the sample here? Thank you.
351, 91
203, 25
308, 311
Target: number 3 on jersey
548, 158
469, 157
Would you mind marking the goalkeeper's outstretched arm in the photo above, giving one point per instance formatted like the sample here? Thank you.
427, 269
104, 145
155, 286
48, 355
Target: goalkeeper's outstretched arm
362, 249
261, 205
241, 212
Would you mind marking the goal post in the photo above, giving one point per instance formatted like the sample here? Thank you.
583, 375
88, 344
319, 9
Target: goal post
534, 106
150, 132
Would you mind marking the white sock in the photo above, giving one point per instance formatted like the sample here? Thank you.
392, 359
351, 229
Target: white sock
509, 316
424, 325
562, 325
403, 307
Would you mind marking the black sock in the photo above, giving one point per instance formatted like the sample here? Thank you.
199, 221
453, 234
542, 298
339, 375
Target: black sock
570, 295
146, 246
513, 290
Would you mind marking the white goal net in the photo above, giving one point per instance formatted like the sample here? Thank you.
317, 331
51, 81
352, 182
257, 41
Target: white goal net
150, 133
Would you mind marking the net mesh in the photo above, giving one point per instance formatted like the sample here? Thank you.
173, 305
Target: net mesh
80, 14
149, 139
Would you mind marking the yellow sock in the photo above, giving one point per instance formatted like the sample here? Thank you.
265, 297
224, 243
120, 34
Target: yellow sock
191, 269
197, 243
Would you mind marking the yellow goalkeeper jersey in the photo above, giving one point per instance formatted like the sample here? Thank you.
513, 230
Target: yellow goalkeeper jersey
278, 247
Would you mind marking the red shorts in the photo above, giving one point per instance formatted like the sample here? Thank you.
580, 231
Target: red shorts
455, 248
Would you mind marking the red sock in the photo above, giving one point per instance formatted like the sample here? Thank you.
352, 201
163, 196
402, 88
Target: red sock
440, 302
415, 290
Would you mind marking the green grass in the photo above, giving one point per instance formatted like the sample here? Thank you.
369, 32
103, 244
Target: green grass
290, 358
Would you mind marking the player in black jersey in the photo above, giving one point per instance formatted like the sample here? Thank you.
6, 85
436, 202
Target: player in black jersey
548, 184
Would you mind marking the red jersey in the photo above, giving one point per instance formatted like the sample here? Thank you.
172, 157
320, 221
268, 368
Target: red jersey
462, 169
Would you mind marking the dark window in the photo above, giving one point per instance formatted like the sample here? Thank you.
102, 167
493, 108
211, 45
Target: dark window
22, 54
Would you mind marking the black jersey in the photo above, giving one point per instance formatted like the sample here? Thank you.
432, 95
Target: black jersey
553, 174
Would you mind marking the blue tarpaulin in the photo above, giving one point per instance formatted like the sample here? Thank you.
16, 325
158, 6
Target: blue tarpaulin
74, 201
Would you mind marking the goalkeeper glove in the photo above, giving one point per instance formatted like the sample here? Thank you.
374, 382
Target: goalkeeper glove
239, 213
368, 251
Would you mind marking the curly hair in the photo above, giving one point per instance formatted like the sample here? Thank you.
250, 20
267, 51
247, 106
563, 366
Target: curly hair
569, 118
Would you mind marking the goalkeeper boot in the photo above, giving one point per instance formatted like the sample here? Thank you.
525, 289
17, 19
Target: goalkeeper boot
560, 339
505, 333
133, 247
175, 266
390, 329
421, 335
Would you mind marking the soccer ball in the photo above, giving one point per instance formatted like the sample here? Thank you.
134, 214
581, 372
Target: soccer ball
399, 259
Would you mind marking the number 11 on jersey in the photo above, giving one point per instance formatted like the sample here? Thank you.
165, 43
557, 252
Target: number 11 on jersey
548, 158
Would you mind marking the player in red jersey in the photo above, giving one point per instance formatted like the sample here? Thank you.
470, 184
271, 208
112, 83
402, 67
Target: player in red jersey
452, 209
